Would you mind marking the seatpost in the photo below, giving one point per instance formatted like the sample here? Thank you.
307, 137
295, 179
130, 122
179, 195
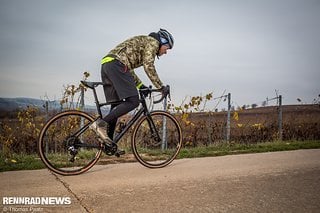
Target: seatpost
97, 101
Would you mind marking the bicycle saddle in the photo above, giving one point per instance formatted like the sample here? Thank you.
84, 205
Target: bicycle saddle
90, 84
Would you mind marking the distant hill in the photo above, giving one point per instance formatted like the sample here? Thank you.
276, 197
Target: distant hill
10, 104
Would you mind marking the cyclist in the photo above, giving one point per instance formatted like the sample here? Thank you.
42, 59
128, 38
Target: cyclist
120, 81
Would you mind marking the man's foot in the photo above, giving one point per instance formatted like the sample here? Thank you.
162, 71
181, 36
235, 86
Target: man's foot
112, 149
101, 128
119, 152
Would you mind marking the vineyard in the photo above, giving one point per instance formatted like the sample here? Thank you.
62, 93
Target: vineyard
19, 130
300, 122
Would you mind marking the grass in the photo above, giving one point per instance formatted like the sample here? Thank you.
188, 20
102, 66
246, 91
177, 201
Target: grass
227, 148
29, 162
20, 162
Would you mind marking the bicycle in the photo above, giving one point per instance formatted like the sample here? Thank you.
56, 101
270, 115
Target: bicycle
67, 146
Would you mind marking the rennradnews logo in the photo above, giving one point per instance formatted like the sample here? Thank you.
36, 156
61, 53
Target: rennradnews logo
36, 200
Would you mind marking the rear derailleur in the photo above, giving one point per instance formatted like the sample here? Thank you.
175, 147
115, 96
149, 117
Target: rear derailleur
73, 151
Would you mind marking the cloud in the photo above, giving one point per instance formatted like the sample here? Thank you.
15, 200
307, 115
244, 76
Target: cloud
250, 48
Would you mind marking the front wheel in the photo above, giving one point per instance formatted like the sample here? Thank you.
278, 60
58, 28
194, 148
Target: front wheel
66, 145
156, 139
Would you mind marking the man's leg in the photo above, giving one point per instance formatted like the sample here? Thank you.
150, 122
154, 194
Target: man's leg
122, 108
112, 124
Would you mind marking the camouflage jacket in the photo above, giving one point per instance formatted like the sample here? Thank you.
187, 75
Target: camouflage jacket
138, 51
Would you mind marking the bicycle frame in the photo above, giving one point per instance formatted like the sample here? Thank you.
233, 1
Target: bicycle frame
58, 149
144, 110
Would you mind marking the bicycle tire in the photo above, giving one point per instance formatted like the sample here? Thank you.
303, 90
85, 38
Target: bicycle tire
151, 152
57, 148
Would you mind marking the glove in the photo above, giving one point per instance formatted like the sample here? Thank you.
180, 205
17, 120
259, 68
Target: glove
144, 90
166, 91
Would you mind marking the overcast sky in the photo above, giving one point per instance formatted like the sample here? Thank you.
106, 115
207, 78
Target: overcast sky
249, 48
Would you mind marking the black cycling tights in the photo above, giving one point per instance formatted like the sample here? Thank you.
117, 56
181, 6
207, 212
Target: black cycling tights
118, 110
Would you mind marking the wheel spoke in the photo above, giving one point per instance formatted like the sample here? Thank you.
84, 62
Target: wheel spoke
66, 145
157, 141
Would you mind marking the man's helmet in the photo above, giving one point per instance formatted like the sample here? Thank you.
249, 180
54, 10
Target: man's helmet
166, 38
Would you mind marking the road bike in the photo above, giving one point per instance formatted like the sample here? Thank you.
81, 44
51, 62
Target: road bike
67, 145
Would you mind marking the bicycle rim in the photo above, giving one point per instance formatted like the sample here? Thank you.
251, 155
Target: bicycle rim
152, 151
61, 150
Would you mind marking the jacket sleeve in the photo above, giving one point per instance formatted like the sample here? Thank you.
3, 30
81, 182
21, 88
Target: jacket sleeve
148, 65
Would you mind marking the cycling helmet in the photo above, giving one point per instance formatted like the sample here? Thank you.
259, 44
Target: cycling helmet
166, 38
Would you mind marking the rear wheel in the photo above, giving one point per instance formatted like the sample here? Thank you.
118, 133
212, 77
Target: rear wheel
156, 139
67, 146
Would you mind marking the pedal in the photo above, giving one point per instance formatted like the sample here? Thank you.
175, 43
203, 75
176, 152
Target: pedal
72, 159
119, 153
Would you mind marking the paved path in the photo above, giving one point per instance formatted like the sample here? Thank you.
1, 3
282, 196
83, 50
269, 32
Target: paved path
266, 182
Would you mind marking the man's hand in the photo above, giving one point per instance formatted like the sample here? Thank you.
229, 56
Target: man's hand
144, 90
166, 90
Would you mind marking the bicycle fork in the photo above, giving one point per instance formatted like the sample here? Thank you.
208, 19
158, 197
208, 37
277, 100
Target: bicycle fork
154, 132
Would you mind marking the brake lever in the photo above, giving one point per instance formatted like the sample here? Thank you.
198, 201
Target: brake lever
169, 93
150, 88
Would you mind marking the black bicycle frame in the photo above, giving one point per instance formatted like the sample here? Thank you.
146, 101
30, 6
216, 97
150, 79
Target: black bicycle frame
137, 115
143, 110
129, 124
